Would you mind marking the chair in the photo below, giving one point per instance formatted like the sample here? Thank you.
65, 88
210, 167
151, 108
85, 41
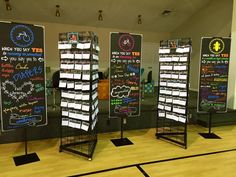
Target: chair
149, 85
55, 86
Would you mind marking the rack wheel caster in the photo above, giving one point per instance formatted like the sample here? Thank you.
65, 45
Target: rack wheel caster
60, 150
90, 159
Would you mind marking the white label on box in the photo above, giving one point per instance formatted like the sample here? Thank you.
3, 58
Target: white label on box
94, 96
168, 92
162, 91
85, 97
168, 116
78, 105
176, 109
86, 56
78, 86
166, 67
186, 49
86, 67
97, 48
85, 87
77, 75
175, 93
162, 59
85, 126
85, 107
86, 77
162, 99
162, 83
71, 95
182, 76
65, 122
78, 56
70, 85
70, 75
80, 46
160, 106
78, 96
175, 101
78, 66
183, 68
169, 100
67, 55
63, 66
95, 57
64, 46
86, 117
175, 58
174, 76
71, 104
183, 94
78, 125
62, 84
71, 124
170, 84
181, 85
161, 51
180, 50
86, 45
63, 75
176, 67
182, 119
161, 114
65, 113
64, 103
70, 66
182, 111
64, 94
167, 108
182, 102
183, 59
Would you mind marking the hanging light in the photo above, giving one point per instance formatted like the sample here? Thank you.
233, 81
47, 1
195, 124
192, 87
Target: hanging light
100, 17
58, 14
8, 5
139, 19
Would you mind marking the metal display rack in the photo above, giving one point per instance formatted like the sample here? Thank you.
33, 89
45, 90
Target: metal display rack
79, 97
172, 103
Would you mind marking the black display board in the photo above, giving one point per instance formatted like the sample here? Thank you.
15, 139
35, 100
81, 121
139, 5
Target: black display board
125, 61
22, 73
213, 80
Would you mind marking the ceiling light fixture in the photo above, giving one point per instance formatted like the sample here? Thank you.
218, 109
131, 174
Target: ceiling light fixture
139, 19
166, 13
100, 17
58, 14
8, 5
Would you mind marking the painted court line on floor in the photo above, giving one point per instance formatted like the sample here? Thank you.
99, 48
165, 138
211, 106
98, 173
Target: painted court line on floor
152, 162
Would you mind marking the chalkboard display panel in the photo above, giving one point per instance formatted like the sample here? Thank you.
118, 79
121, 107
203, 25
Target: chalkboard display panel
22, 73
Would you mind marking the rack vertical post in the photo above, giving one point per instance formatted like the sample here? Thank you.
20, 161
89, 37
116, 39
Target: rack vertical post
122, 141
26, 158
210, 135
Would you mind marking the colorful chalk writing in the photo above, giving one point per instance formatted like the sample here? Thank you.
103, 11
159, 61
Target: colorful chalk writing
125, 52
22, 76
215, 54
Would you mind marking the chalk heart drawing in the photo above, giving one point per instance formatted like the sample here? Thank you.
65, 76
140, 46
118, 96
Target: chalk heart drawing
17, 93
121, 91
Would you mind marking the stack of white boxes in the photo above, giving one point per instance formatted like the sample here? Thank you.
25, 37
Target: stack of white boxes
79, 79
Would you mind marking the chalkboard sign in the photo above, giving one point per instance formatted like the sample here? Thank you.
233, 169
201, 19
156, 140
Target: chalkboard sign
22, 70
125, 59
215, 54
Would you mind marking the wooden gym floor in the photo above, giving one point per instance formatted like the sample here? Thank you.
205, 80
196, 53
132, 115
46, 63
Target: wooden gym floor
147, 157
